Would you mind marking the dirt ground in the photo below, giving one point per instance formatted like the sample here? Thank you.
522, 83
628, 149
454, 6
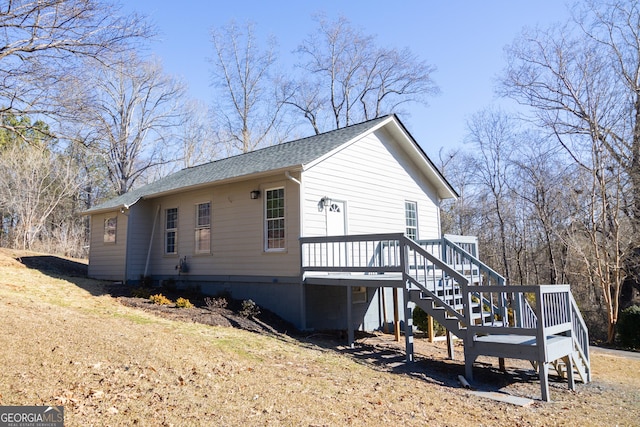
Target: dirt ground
380, 350
115, 360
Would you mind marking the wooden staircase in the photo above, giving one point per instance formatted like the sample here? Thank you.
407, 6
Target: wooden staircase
445, 278
541, 324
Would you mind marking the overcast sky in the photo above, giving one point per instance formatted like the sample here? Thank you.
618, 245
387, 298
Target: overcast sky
463, 39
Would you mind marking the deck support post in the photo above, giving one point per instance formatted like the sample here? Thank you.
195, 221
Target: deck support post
450, 345
350, 334
385, 326
501, 364
396, 316
408, 325
303, 305
430, 328
569, 363
543, 372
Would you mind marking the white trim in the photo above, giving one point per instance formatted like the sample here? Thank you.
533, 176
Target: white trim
113, 228
348, 143
197, 227
265, 226
417, 218
175, 230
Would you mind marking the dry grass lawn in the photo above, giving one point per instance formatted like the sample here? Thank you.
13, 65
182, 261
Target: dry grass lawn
64, 342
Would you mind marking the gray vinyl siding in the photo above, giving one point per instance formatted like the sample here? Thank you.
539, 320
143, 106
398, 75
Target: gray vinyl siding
237, 229
375, 179
141, 219
107, 260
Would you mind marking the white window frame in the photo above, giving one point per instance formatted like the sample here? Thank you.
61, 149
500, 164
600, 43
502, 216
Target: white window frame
200, 228
110, 229
268, 220
173, 230
407, 219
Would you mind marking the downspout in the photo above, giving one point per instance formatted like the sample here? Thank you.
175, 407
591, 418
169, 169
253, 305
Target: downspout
126, 245
303, 298
288, 175
153, 230
301, 199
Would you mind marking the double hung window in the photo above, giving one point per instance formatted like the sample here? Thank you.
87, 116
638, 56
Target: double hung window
171, 231
411, 219
275, 221
110, 228
203, 228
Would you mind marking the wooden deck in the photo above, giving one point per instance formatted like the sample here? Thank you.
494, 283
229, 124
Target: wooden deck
541, 324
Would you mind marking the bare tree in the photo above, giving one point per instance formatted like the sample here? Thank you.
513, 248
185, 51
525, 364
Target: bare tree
600, 232
582, 81
459, 216
129, 117
197, 135
41, 41
348, 78
492, 134
542, 178
34, 182
250, 97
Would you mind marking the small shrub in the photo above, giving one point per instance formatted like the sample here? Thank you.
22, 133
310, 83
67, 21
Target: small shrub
141, 292
249, 308
183, 303
629, 327
146, 281
420, 319
169, 285
214, 303
160, 299
193, 290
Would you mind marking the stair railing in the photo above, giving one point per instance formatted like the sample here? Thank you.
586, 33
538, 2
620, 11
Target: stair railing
459, 252
580, 336
426, 272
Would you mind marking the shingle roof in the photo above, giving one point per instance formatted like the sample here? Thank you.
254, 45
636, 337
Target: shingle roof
290, 154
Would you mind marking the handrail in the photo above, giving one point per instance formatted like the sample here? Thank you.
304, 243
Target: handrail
580, 335
448, 275
460, 252
463, 260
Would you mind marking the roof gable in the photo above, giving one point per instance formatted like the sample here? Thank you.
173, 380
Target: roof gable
299, 153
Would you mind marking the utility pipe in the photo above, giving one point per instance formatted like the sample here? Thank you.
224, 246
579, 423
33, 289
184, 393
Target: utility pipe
153, 230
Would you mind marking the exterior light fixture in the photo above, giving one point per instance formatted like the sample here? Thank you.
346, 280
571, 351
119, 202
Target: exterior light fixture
323, 203
255, 194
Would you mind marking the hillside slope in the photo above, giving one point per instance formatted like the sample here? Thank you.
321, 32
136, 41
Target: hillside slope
66, 341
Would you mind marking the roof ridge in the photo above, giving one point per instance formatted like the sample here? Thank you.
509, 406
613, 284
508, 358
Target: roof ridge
297, 152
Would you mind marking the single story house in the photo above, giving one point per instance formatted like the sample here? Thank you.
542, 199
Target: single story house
235, 224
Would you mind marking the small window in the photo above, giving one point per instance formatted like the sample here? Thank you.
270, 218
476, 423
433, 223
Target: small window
274, 215
110, 227
411, 220
358, 294
171, 231
203, 228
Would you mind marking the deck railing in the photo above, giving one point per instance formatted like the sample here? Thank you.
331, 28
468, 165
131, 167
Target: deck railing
551, 303
370, 253
441, 267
